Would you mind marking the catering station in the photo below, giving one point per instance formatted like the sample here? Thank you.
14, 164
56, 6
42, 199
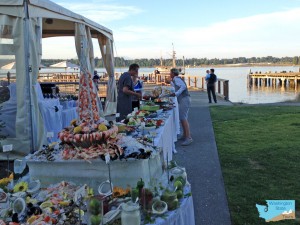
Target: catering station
92, 170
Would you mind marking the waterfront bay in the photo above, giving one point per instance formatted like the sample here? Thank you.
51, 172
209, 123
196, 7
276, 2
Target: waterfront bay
239, 92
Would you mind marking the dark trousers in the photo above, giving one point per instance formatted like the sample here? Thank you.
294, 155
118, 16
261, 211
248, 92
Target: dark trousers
135, 104
211, 90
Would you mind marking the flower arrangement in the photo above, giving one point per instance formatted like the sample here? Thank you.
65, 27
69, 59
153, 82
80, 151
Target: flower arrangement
119, 192
21, 187
5, 181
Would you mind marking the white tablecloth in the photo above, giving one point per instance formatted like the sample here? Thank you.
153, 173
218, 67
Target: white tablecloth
167, 134
184, 215
123, 173
51, 111
68, 104
68, 115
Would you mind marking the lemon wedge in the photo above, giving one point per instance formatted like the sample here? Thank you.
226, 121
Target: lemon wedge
102, 127
46, 205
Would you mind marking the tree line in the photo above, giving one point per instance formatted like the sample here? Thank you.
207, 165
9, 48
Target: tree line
192, 62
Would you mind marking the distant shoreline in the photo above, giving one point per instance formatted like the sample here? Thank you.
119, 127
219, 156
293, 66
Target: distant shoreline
247, 65
233, 65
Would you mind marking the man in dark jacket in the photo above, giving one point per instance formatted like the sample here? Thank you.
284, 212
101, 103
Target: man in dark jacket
211, 80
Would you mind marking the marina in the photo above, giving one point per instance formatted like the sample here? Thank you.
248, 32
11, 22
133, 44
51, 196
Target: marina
282, 79
68, 82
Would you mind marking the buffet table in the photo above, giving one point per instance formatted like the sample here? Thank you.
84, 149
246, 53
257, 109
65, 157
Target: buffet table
123, 173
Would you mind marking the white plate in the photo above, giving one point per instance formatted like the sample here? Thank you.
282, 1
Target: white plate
165, 205
19, 206
105, 188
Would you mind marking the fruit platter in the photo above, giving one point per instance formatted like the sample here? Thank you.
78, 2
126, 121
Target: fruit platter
153, 122
151, 93
161, 101
152, 108
140, 113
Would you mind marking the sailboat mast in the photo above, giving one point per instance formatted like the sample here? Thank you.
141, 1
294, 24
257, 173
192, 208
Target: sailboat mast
183, 64
174, 57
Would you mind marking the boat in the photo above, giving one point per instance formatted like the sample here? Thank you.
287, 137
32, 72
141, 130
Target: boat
164, 70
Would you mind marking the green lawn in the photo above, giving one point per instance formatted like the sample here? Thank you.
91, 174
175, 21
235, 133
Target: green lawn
259, 150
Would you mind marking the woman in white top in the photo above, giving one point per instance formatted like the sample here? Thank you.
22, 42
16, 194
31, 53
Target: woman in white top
184, 102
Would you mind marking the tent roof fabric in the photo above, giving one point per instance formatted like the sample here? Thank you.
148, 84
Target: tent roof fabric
47, 9
64, 64
9, 66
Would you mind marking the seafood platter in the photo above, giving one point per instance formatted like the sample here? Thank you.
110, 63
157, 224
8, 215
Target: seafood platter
67, 203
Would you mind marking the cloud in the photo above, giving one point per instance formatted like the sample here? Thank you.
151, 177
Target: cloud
273, 34
259, 35
101, 11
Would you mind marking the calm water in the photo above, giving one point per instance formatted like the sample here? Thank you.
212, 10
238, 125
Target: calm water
238, 86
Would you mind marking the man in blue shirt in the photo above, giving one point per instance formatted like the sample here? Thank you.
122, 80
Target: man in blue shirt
211, 79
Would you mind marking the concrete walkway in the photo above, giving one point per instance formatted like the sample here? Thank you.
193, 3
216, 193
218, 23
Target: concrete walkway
201, 161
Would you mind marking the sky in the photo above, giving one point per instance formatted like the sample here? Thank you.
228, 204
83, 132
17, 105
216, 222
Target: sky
197, 28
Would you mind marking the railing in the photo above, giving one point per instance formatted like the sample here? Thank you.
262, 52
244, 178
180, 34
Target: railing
69, 83
192, 81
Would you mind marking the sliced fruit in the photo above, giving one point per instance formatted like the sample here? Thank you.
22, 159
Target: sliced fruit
77, 129
102, 127
46, 205
178, 184
94, 206
114, 135
32, 219
64, 203
181, 179
179, 194
95, 220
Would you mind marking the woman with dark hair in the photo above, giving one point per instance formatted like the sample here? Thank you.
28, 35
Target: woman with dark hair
184, 102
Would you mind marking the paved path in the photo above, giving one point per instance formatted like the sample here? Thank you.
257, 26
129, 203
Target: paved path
201, 161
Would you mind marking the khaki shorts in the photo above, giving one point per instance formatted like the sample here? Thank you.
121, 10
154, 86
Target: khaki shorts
184, 106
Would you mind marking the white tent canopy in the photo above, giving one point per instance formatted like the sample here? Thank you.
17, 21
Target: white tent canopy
57, 20
12, 65
23, 24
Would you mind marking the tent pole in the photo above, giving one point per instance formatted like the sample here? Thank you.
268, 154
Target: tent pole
28, 70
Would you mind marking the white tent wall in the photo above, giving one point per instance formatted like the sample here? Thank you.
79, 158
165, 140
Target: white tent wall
34, 59
106, 48
22, 141
29, 127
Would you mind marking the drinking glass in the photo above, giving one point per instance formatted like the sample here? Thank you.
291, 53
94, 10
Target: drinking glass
19, 165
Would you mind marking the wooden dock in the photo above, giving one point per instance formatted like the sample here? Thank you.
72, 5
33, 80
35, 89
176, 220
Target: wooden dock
283, 79
68, 82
